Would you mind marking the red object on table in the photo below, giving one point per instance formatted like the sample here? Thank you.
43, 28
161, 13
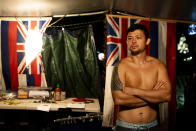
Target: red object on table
82, 100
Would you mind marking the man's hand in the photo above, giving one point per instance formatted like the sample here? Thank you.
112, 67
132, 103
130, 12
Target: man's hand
129, 90
160, 85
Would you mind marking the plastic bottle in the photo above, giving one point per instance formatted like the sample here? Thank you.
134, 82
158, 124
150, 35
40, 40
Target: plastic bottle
58, 93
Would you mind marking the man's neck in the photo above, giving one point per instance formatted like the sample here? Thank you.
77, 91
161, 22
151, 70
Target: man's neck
139, 59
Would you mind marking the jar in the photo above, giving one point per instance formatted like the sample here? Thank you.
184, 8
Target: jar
63, 95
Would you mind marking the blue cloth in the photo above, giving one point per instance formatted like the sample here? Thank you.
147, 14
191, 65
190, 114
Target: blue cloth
136, 127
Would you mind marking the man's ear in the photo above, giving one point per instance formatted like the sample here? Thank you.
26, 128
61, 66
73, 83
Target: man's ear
148, 41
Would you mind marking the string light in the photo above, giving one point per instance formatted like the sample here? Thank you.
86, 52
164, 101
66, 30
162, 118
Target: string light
182, 45
101, 56
188, 59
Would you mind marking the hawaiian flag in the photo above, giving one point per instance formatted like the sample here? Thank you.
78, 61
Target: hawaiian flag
162, 46
14, 69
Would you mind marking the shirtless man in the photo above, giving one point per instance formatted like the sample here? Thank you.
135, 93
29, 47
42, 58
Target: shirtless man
139, 84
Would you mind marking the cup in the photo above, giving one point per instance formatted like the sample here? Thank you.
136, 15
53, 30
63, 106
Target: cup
63, 95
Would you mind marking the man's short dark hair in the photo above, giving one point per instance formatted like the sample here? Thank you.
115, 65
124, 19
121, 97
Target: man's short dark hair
138, 27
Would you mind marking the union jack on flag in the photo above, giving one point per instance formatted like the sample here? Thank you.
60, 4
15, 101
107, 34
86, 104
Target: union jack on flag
117, 35
13, 36
22, 29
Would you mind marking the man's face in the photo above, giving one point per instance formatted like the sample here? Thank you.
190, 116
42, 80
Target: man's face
136, 42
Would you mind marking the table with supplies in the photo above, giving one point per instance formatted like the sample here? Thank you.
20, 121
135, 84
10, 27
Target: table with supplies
75, 104
37, 114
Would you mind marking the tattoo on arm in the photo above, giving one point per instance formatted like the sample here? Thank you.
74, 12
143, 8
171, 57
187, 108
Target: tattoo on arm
116, 83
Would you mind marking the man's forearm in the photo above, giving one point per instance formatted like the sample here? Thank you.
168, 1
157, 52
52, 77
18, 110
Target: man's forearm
137, 102
120, 98
152, 96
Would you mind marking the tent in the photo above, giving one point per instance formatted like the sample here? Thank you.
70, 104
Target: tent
169, 10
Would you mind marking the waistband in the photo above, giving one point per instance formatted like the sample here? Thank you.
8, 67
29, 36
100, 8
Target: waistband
136, 126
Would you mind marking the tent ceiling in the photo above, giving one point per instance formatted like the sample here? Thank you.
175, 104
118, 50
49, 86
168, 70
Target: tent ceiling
164, 9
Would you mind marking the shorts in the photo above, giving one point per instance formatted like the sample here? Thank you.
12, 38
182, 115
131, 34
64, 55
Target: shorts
125, 126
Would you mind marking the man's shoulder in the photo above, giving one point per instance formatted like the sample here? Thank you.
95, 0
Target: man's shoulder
156, 61
121, 63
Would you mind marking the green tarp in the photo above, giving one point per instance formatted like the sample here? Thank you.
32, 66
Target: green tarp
69, 58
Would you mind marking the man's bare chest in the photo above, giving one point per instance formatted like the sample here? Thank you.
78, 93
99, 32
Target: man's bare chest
141, 77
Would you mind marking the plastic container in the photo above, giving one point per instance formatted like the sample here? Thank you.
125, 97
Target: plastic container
58, 93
